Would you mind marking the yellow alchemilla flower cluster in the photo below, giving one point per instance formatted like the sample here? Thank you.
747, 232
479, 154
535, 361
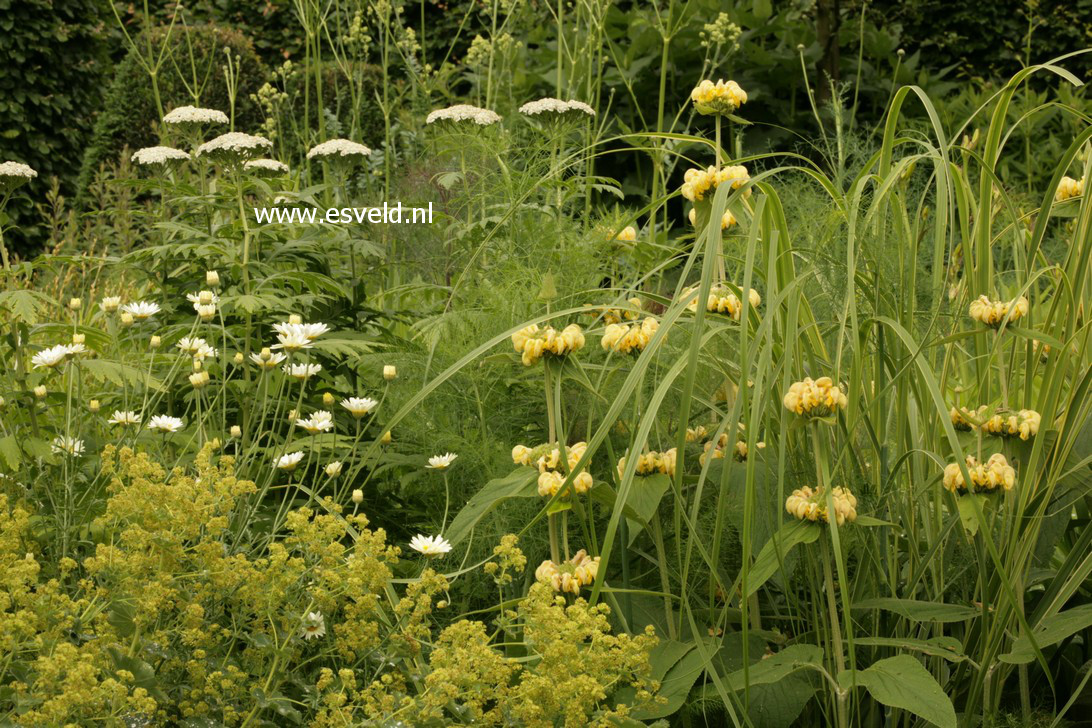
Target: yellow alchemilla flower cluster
696, 182
722, 97
547, 458
815, 398
569, 576
652, 462
992, 313
995, 473
532, 342
809, 504
722, 299
1069, 188
1003, 423
629, 339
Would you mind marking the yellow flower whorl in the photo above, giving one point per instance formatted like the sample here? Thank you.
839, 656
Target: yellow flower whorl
994, 474
992, 313
532, 343
815, 398
629, 339
809, 504
569, 576
722, 97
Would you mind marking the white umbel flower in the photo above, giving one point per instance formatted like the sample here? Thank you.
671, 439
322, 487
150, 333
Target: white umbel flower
141, 310
338, 148
66, 446
158, 156
51, 357
14, 174
301, 371
439, 462
359, 406
430, 546
266, 166
321, 421
290, 461
195, 115
314, 626
165, 424
234, 146
555, 106
126, 418
464, 112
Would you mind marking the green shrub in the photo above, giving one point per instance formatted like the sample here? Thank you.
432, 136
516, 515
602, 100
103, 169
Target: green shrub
130, 114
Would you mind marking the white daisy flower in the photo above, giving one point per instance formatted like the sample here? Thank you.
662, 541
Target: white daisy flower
126, 418
141, 309
158, 156
338, 148
191, 345
430, 545
301, 371
110, 304
464, 112
292, 339
359, 406
321, 421
439, 462
289, 462
165, 424
269, 362
314, 626
195, 115
51, 357
66, 446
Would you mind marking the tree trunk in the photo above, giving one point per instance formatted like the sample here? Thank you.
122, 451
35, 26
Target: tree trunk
828, 18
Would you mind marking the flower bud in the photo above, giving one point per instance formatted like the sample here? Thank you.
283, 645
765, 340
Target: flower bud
93, 405
238, 358
386, 439
390, 372
126, 318
40, 391
75, 304
292, 415
78, 338
197, 365
111, 303
204, 298
215, 443
333, 469
155, 342
236, 431
212, 278
295, 319
358, 496
266, 354
328, 399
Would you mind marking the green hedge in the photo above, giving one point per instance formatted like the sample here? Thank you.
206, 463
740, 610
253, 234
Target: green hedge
55, 65
130, 117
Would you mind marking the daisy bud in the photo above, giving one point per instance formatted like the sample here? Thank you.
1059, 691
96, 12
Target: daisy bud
197, 365
40, 391
386, 439
333, 469
238, 358
126, 318
78, 338
111, 303
292, 415
75, 304
390, 372
328, 399
266, 354
204, 298
93, 405
155, 342
214, 443
295, 319
358, 496
236, 431
441, 604
212, 278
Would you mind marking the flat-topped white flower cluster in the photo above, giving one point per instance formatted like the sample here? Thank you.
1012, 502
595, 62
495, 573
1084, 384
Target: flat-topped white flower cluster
555, 106
338, 148
149, 156
464, 112
17, 169
195, 115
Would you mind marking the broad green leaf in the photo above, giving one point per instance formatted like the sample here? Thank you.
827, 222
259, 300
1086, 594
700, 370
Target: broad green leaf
779, 704
902, 682
919, 611
967, 514
675, 685
9, 452
644, 499
777, 666
1051, 630
520, 483
775, 550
